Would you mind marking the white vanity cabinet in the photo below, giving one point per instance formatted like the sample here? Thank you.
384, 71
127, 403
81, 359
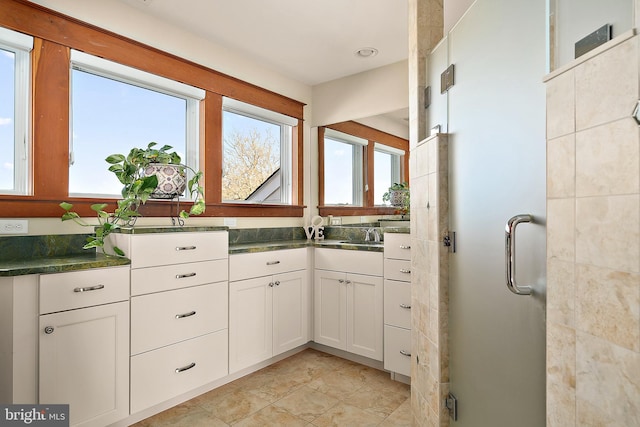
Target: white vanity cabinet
397, 303
268, 305
84, 344
179, 326
348, 301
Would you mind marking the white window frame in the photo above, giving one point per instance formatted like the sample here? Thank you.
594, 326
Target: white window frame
396, 168
357, 145
21, 46
396, 165
112, 70
286, 124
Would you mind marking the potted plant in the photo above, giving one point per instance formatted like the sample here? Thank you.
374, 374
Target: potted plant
398, 195
145, 173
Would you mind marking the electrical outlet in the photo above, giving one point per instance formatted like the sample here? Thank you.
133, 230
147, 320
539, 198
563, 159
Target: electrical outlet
14, 226
336, 221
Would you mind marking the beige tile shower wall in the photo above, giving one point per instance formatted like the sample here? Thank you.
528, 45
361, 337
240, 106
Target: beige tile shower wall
429, 367
429, 281
593, 241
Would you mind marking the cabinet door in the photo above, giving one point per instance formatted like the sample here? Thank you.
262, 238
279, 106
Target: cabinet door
330, 310
84, 361
167, 372
365, 315
165, 318
290, 311
397, 350
397, 303
250, 322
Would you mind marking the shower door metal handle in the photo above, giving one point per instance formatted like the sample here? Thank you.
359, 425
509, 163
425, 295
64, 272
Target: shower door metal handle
510, 254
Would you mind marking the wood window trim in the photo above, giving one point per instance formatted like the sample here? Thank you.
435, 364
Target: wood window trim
371, 135
54, 35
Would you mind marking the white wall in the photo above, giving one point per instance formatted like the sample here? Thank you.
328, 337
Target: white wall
453, 11
578, 18
371, 93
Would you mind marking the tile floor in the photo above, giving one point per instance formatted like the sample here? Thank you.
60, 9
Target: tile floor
310, 388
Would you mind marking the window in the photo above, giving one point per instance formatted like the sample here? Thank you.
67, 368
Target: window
257, 159
356, 166
44, 176
14, 112
343, 168
115, 108
387, 170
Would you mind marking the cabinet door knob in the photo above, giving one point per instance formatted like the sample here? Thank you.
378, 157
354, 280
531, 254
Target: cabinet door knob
48, 329
89, 288
271, 284
277, 283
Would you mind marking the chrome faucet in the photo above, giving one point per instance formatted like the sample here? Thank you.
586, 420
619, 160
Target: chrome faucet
367, 235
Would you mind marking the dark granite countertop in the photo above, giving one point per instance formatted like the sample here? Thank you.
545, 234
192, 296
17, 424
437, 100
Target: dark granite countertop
58, 264
148, 229
397, 230
293, 244
21, 255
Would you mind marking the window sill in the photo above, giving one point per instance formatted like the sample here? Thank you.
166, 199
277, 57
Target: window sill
30, 207
355, 210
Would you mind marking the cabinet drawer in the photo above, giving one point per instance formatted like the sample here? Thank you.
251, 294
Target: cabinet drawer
397, 350
397, 303
161, 374
168, 317
257, 264
397, 269
76, 289
359, 262
165, 278
149, 250
397, 246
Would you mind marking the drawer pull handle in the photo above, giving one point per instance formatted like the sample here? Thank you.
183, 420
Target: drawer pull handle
182, 276
405, 247
407, 306
405, 270
186, 368
182, 316
405, 353
185, 248
89, 288
273, 262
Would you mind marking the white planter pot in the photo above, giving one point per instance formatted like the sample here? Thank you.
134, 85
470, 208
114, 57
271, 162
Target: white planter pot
172, 180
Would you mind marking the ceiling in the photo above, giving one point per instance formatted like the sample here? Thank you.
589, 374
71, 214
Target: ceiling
311, 41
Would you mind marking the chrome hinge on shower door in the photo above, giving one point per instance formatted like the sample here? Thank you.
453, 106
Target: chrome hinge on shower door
449, 240
451, 403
